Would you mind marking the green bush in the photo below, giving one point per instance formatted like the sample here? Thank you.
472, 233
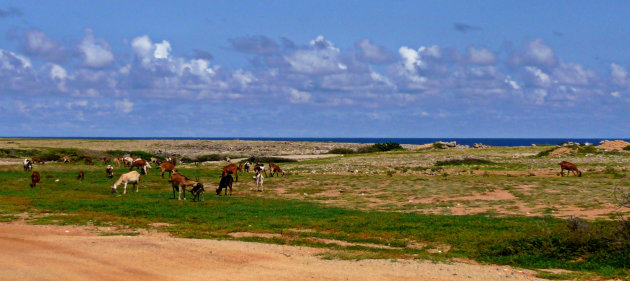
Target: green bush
627, 148
266, 159
378, 147
545, 152
439, 145
16, 153
54, 154
341, 150
465, 161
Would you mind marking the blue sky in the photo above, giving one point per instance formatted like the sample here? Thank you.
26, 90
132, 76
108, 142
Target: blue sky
314, 68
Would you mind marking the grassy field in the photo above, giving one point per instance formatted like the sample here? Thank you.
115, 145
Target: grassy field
512, 208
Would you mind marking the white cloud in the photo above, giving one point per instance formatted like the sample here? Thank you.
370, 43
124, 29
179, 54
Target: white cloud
58, 72
142, 47
37, 42
615, 94
124, 106
96, 54
619, 75
538, 77
373, 53
162, 50
321, 58
535, 53
13, 61
573, 74
481, 56
299, 96
413, 58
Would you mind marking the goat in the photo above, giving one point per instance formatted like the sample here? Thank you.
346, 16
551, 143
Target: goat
172, 160
246, 167
273, 168
180, 182
35, 178
132, 177
81, 176
226, 182
66, 159
106, 160
109, 171
141, 164
37, 160
167, 167
117, 162
232, 168
570, 167
260, 168
155, 161
28, 165
88, 160
259, 181
127, 160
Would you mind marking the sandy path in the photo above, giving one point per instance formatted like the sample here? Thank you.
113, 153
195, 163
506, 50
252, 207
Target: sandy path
74, 253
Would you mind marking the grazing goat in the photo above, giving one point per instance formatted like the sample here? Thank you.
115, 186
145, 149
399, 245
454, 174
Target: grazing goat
109, 171
232, 168
66, 159
226, 182
273, 168
141, 164
28, 165
246, 167
117, 162
167, 167
35, 177
259, 181
106, 160
155, 161
81, 176
37, 160
172, 160
180, 182
127, 160
570, 167
260, 168
88, 160
132, 177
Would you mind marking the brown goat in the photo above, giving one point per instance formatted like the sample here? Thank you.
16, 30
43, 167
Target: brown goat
88, 160
141, 164
570, 167
232, 168
167, 167
180, 182
37, 160
81, 176
106, 160
35, 178
273, 168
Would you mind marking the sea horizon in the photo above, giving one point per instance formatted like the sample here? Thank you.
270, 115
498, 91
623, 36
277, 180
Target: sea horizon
413, 141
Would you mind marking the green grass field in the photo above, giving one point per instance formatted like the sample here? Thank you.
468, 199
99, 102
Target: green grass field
510, 210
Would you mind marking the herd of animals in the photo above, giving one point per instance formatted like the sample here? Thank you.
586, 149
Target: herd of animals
179, 182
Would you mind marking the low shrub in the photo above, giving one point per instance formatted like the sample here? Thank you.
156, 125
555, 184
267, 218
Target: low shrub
465, 161
439, 145
268, 159
16, 153
341, 150
379, 147
54, 154
627, 148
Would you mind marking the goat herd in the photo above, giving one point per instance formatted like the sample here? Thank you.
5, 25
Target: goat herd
179, 182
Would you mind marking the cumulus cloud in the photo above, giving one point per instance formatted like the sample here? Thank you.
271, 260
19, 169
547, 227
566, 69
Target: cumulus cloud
574, 74
481, 56
322, 57
96, 52
372, 53
124, 106
259, 44
537, 77
619, 75
37, 43
299, 96
534, 53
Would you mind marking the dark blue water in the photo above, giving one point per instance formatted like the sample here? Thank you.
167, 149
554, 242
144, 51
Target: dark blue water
463, 141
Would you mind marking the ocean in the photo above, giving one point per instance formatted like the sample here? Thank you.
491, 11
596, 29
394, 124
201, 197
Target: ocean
462, 141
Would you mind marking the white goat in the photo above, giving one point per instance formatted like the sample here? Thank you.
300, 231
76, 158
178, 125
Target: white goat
132, 177
259, 181
28, 165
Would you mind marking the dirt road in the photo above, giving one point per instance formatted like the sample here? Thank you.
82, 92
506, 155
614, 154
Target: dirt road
29, 252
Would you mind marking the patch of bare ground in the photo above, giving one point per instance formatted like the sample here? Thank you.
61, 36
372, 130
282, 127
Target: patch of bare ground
253, 234
616, 145
497, 195
347, 244
35, 252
